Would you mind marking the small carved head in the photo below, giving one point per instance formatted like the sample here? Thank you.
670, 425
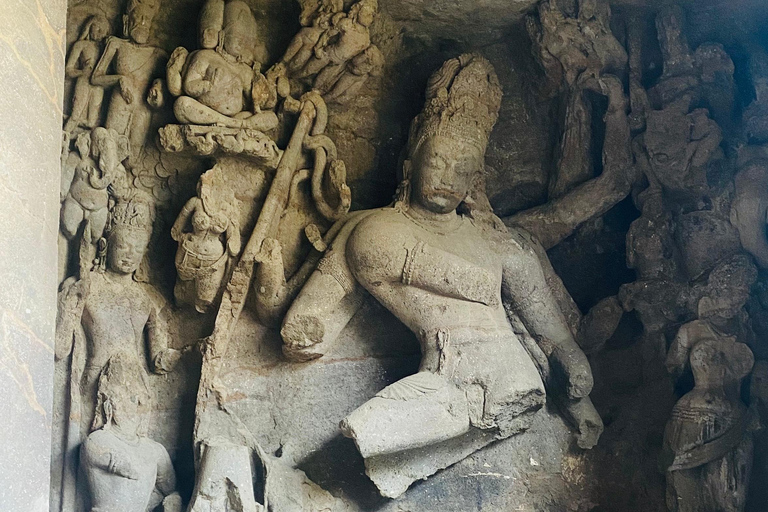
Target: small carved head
680, 146
364, 12
211, 23
122, 399
137, 21
96, 29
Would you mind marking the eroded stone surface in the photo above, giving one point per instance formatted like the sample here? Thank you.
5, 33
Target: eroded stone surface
266, 231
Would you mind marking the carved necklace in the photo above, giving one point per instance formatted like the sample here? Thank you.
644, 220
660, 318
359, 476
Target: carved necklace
437, 226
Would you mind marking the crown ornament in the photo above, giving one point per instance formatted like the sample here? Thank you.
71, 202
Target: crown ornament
133, 211
463, 98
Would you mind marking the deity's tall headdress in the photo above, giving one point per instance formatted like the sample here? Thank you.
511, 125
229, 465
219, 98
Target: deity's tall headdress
133, 210
151, 6
463, 98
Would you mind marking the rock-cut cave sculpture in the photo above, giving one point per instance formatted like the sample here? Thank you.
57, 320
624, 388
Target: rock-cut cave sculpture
105, 313
82, 59
204, 251
707, 441
450, 279
215, 84
136, 84
125, 469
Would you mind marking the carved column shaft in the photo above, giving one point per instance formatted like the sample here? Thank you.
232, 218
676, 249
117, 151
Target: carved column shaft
31, 86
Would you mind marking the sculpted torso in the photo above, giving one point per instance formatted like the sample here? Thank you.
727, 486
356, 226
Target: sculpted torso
83, 190
114, 318
130, 491
352, 39
87, 55
461, 288
218, 83
136, 62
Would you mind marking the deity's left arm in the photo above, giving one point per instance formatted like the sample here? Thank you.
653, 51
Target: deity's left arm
525, 286
100, 76
166, 476
71, 69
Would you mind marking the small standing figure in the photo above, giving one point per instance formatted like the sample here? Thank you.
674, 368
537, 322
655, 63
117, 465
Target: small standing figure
85, 194
203, 253
85, 53
137, 68
109, 310
707, 441
126, 471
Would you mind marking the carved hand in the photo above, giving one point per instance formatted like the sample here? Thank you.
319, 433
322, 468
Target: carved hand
155, 97
172, 503
125, 90
234, 245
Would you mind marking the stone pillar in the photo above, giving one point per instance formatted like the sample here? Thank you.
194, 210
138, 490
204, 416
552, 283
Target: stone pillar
32, 39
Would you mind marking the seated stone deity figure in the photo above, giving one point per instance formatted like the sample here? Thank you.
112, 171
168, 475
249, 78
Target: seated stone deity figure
201, 259
126, 471
137, 66
707, 441
451, 279
214, 85
85, 53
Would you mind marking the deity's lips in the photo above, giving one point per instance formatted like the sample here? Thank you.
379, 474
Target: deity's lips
442, 192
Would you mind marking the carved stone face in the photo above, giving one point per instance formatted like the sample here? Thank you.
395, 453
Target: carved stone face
366, 15
126, 250
99, 29
138, 23
443, 169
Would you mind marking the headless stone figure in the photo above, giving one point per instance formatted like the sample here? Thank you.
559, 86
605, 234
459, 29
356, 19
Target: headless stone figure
708, 444
126, 471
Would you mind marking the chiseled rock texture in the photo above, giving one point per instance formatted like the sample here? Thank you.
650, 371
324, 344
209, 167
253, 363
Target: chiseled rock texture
293, 410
